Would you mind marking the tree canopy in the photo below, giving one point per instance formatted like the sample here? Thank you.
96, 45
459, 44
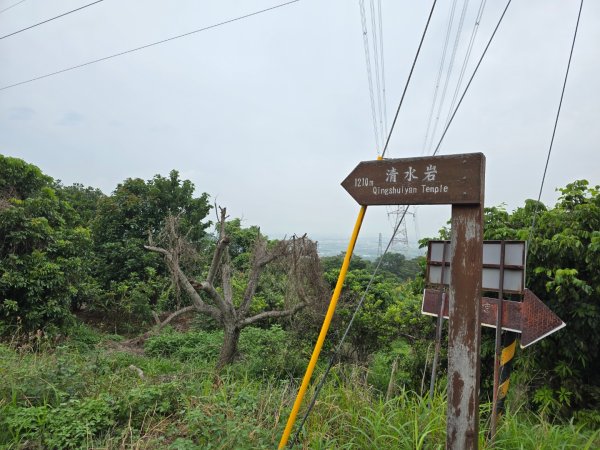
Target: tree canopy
44, 255
563, 269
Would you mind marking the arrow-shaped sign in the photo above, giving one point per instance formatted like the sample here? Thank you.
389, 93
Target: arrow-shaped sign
428, 180
531, 317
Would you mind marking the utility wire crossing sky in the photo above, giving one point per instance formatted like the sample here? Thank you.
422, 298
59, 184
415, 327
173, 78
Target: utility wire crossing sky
270, 113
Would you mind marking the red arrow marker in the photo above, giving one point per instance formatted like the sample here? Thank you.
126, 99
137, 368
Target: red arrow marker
531, 317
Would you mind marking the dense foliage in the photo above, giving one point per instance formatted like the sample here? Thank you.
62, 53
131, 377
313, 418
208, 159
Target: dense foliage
71, 254
135, 281
63, 247
564, 271
44, 252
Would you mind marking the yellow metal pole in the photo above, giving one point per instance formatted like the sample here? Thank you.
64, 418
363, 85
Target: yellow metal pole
324, 329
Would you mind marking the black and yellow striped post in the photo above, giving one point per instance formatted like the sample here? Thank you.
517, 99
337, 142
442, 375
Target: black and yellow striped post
509, 345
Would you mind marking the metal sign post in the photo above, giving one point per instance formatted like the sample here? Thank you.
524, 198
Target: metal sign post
438, 334
503, 271
457, 180
464, 330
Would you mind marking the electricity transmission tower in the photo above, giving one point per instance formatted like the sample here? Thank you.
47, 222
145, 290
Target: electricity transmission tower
395, 214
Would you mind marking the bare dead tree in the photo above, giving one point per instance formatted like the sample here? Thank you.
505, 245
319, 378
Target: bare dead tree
298, 254
182, 252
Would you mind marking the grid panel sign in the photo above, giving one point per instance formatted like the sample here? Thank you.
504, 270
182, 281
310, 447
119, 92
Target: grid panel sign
499, 257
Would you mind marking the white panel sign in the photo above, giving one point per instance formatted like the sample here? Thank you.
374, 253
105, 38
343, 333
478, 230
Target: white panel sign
513, 266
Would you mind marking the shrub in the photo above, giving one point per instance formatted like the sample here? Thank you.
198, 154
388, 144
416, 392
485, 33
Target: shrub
185, 346
272, 353
23, 424
70, 425
77, 422
146, 401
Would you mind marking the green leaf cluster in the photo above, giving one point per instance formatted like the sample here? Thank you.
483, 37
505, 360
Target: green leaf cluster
67, 247
44, 255
563, 269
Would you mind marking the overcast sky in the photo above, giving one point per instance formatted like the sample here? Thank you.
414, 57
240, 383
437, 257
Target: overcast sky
269, 114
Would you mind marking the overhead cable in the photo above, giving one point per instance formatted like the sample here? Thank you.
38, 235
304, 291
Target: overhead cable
11, 6
437, 147
49, 20
409, 78
439, 76
365, 33
450, 67
562, 94
210, 27
377, 71
385, 122
467, 57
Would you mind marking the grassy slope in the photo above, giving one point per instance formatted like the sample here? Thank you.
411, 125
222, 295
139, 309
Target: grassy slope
85, 394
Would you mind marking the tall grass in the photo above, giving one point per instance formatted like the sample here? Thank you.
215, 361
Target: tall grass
87, 396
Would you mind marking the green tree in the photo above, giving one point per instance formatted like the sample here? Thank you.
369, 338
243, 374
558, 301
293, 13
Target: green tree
397, 264
84, 200
563, 269
335, 263
44, 255
133, 278
390, 310
19, 179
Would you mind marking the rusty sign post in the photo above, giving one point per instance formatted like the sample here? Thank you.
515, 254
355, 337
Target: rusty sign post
503, 272
464, 331
458, 180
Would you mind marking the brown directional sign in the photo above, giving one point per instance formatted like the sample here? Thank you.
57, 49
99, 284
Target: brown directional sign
430, 180
531, 317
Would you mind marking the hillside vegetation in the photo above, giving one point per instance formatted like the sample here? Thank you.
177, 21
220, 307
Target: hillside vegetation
105, 344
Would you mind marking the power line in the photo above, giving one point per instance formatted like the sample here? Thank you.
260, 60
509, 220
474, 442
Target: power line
437, 147
377, 72
377, 87
408, 79
149, 45
450, 67
49, 20
11, 6
363, 19
467, 57
439, 76
562, 94
385, 121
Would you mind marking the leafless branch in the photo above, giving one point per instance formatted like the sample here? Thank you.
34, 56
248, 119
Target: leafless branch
214, 295
170, 237
259, 250
222, 244
261, 256
192, 293
176, 314
139, 340
226, 280
271, 315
